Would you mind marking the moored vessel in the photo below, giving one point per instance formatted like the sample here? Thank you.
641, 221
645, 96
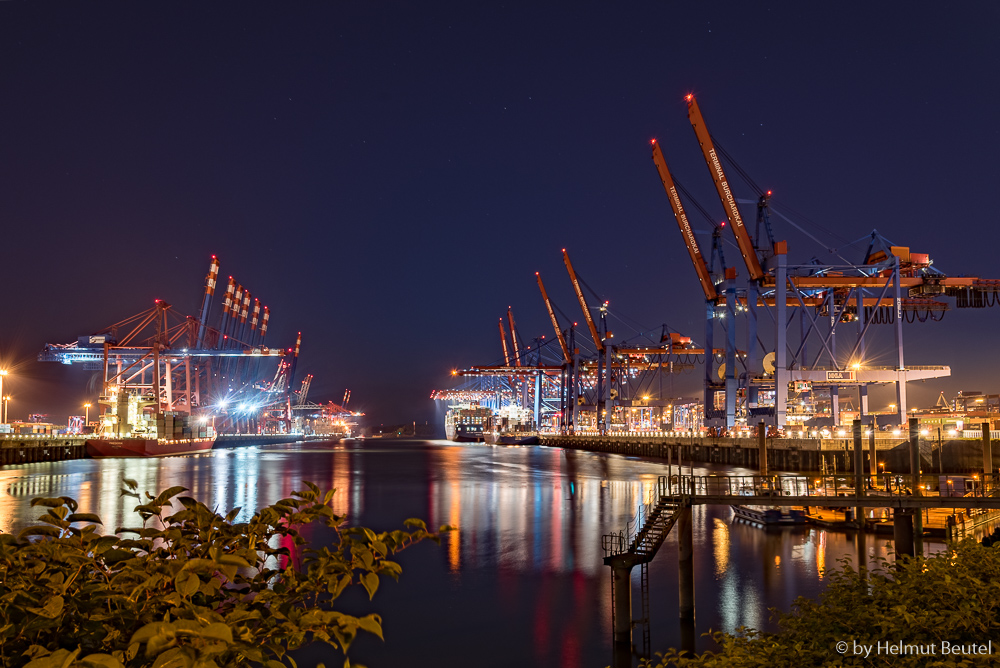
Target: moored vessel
466, 423
769, 516
511, 426
127, 430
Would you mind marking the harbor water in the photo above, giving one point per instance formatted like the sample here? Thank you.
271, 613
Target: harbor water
520, 582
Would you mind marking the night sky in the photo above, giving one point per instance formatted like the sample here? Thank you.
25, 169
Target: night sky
387, 177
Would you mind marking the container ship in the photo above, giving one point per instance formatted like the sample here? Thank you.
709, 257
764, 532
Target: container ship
466, 423
512, 426
127, 430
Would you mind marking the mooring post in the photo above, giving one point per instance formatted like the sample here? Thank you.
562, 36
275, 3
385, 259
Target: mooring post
685, 563
762, 446
872, 463
918, 520
859, 475
987, 454
902, 531
621, 580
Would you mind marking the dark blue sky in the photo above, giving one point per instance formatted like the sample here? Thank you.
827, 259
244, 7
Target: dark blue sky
387, 177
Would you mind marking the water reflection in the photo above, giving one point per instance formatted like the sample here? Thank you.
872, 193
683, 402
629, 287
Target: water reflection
522, 574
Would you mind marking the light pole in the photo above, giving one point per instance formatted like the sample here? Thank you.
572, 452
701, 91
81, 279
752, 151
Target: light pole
86, 420
3, 418
6, 400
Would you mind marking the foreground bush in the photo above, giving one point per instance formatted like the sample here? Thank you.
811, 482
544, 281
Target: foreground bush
189, 589
952, 597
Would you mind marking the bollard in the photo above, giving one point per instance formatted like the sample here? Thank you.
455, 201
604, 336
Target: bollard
902, 530
872, 463
859, 474
762, 447
987, 453
621, 578
918, 520
685, 564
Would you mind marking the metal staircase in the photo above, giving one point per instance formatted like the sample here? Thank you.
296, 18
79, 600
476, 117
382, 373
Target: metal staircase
638, 544
646, 532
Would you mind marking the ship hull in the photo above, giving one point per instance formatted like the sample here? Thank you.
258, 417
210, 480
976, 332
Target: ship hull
146, 447
497, 438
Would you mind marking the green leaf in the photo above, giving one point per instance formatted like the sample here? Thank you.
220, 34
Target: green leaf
131, 484
218, 631
84, 517
370, 582
177, 657
101, 661
47, 502
164, 497
40, 530
52, 608
148, 631
414, 523
61, 658
233, 560
371, 623
35, 651
187, 583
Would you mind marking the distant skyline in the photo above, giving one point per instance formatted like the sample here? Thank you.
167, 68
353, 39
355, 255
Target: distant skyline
387, 177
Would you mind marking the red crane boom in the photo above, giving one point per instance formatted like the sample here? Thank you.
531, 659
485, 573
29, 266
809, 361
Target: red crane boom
743, 239
513, 337
555, 323
697, 259
583, 303
503, 339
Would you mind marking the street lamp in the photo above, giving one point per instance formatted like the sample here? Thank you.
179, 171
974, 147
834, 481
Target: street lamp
6, 400
86, 420
3, 372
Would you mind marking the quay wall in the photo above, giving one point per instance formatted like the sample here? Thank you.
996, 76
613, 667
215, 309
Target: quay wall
784, 454
27, 448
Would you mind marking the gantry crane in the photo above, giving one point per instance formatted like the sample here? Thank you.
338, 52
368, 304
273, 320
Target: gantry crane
179, 363
888, 283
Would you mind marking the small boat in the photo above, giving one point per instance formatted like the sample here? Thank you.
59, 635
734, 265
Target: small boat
779, 515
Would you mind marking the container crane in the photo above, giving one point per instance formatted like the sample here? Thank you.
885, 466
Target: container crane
304, 391
567, 358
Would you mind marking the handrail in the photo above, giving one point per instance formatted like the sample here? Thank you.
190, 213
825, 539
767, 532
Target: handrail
881, 485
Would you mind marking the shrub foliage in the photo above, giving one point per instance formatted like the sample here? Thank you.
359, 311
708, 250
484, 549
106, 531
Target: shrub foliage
952, 597
188, 589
